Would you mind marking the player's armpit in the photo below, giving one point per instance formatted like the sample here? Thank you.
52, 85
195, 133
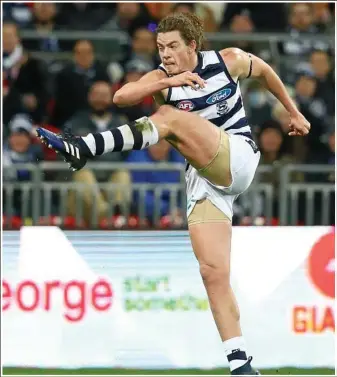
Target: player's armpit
159, 98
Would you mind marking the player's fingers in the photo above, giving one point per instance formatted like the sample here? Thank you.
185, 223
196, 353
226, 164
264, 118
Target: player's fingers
200, 83
303, 130
191, 76
295, 132
199, 80
192, 84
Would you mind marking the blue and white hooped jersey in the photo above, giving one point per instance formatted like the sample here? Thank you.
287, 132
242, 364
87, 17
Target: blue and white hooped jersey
220, 101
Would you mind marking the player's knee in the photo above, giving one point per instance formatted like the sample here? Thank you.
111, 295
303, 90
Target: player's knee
166, 110
170, 115
214, 275
169, 118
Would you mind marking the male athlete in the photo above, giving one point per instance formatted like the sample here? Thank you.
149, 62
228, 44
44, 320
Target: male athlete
204, 119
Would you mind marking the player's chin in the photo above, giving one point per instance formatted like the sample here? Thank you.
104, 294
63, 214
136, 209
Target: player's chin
173, 70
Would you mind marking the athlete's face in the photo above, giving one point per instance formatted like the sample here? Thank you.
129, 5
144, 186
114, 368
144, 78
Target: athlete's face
174, 53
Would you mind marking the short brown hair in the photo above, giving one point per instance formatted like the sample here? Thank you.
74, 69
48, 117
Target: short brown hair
189, 26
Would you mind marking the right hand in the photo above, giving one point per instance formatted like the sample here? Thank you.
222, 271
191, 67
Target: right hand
187, 78
298, 126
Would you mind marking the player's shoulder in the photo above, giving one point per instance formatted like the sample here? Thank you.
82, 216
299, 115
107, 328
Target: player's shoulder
232, 54
234, 59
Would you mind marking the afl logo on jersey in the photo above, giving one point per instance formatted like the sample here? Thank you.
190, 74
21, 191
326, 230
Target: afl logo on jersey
218, 96
185, 105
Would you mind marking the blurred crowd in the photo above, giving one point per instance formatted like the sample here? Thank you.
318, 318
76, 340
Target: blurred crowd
69, 84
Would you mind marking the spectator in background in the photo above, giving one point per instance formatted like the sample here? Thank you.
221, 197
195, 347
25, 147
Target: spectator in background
130, 16
98, 118
258, 12
143, 41
301, 22
242, 23
332, 147
208, 12
134, 70
314, 109
323, 15
72, 83
156, 154
325, 157
183, 8
25, 79
144, 47
19, 149
294, 146
330, 158
258, 104
84, 16
201, 10
18, 13
328, 154
159, 10
271, 140
44, 22
218, 10
321, 66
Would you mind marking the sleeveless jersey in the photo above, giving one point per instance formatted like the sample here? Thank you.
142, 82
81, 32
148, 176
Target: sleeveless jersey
220, 102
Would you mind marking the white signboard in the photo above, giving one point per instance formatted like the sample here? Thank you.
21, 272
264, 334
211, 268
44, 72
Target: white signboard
136, 300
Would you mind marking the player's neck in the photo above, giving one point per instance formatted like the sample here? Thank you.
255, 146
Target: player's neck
193, 63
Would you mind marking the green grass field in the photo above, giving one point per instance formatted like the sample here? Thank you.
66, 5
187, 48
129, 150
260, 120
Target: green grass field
107, 371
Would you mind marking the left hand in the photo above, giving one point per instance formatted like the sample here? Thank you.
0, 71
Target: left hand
298, 126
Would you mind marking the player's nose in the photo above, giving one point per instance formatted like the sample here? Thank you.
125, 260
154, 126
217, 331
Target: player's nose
166, 54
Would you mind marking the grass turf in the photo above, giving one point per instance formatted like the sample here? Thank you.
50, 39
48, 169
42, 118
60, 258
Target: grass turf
108, 371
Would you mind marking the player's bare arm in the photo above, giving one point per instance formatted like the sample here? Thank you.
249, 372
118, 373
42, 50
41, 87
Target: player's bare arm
151, 84
156, 84
241, 64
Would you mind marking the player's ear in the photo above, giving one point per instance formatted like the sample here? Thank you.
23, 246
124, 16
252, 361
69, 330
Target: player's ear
192, 47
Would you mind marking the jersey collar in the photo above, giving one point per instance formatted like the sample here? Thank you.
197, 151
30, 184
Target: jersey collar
198, 68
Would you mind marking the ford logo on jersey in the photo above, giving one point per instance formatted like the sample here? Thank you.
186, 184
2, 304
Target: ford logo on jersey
218, 96
185, 105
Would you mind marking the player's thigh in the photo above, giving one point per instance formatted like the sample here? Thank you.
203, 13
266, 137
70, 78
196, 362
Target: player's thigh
196, 138
211, 235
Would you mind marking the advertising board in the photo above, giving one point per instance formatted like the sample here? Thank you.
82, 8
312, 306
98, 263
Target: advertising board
136, 299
